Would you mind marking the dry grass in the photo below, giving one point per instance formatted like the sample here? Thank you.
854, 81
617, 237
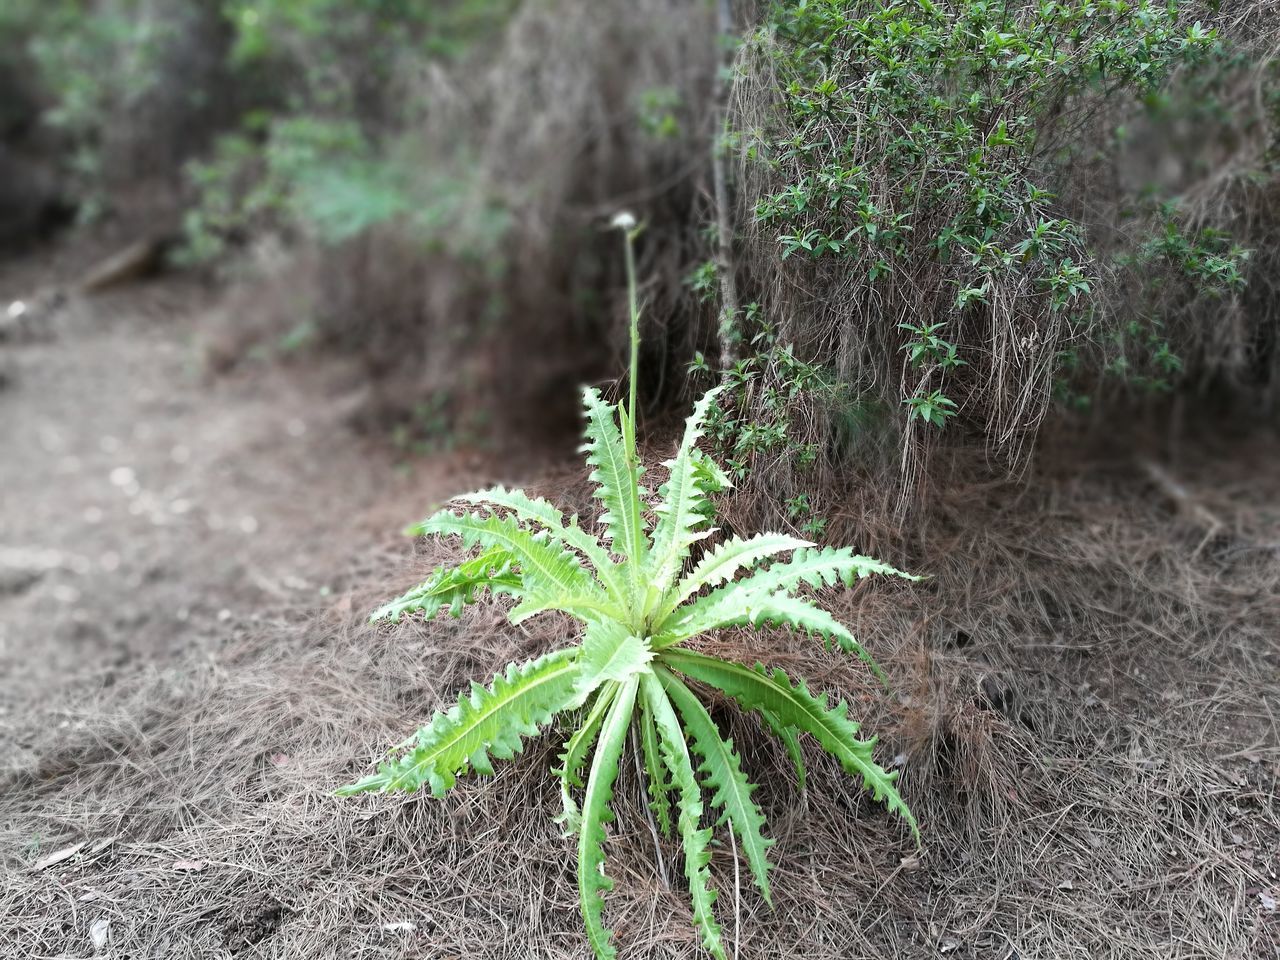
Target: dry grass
503, 288
1086, 721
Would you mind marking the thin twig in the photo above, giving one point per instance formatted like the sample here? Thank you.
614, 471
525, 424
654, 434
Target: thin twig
1185, 501
737, 894
648, 813
720, 185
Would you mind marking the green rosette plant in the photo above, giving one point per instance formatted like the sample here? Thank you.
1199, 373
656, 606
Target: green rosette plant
640, 596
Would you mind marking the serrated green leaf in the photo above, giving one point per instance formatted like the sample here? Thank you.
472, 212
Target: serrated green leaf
574, 757
552, 577
592, 881
723, 778
727, 604
680, 509
487, 721
721, 564
659, 784
610, 652
696, 842
789, 741
823, 567
455, 586
566, 529
794, 706
709, 475
803, 615
617, 485
737, 607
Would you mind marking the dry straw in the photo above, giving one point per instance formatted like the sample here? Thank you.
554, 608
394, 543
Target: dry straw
1088, 739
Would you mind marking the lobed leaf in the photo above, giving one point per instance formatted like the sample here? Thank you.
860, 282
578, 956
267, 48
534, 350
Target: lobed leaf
724, 562
723, 778
818, 568
618, 485
552, 575
659, 785
541, 512
794, 706
456, 586
735, 606
574, 757
789, 741
696, 842
609, 652
682, 503
728, 604
780, 608
709, 478
592, 881
486, 722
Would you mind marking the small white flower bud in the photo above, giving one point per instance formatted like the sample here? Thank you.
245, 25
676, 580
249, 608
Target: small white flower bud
624, 220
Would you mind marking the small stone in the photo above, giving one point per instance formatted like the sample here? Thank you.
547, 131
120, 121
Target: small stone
100, 934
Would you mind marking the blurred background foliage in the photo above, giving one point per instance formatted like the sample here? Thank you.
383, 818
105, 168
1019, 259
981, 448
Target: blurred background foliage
950, 220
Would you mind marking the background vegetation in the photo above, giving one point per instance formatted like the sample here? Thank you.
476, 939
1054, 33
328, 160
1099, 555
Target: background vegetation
947, 219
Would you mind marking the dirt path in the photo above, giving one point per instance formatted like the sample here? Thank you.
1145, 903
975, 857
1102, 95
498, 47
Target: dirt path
145, 506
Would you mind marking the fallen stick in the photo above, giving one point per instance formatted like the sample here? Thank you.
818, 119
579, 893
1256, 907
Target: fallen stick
135, 262
1185, 501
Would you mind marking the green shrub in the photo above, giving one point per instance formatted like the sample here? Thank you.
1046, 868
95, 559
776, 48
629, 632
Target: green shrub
96, 67
300, 175
132, 88
639, 600
915, 196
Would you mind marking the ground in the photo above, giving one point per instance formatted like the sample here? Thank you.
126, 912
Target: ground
1086, 706
148, 505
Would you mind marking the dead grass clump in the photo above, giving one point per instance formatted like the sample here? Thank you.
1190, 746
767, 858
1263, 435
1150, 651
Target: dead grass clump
500, 289
1083, 719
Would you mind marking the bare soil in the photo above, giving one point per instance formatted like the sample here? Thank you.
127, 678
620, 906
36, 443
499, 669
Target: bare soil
1086, 707
149, 507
